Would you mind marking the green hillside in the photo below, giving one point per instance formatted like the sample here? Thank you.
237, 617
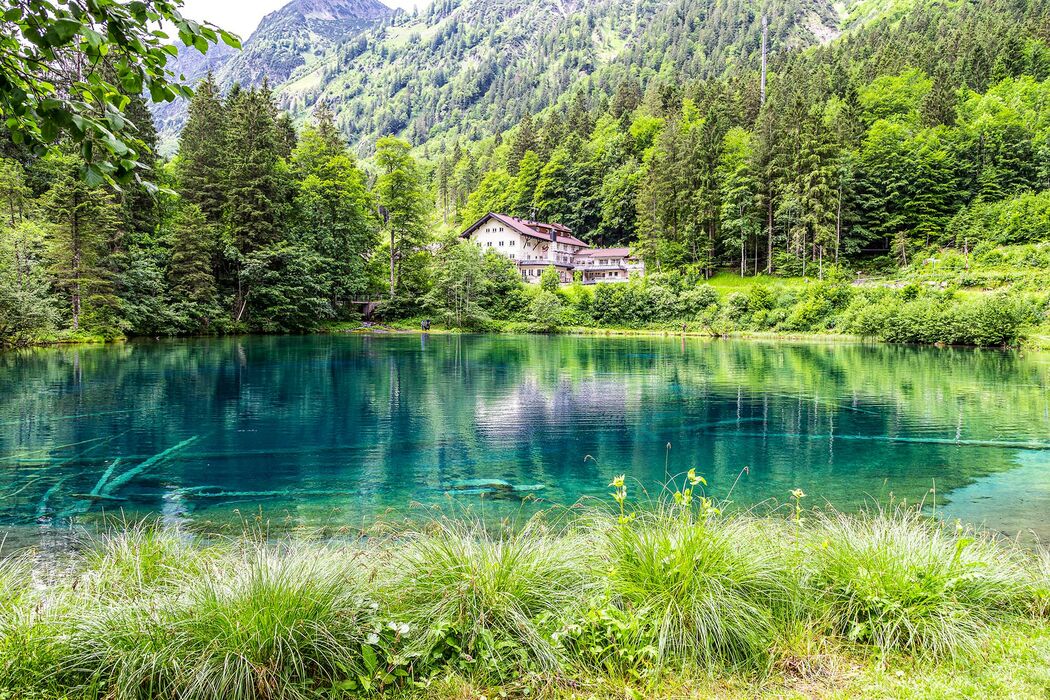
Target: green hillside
470, 68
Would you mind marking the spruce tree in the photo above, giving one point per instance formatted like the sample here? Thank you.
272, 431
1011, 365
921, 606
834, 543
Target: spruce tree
83, 218
202, 151
524, 141
190, 275
551, 200
523, 196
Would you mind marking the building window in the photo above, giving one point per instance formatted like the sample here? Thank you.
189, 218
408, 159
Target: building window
513, 243
512, 256
490, 244
501, 244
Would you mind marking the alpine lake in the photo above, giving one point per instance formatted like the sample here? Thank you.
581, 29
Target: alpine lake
332, 433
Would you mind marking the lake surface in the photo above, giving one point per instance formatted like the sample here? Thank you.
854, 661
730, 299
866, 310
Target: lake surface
331, 431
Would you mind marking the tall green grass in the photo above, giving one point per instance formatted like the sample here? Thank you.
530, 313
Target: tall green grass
707, 590
631, 597
470, 595
903, 582
261, 622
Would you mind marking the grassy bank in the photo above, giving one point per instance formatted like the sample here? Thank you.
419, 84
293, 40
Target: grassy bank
908, 311
677, 600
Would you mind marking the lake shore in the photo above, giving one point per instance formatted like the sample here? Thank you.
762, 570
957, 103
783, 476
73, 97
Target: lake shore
679, 601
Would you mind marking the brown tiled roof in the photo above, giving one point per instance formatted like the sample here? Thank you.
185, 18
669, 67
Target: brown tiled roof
527, 228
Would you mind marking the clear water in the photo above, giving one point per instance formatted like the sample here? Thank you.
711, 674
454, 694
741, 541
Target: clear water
333, 431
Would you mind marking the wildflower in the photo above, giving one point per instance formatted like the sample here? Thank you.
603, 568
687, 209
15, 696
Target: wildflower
618, 482
694, 479
798, 494
372, 638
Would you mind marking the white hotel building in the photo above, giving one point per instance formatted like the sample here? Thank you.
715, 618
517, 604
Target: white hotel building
536, 246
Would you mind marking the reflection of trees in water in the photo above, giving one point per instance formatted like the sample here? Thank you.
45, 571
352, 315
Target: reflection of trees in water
381, 420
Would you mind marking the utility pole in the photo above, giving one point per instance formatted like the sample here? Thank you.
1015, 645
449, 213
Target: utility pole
765, 36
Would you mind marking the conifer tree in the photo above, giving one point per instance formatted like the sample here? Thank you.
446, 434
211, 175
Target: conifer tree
253, 181
523, 197
190, 275
551, 200
83, 217
202, 150
524, 141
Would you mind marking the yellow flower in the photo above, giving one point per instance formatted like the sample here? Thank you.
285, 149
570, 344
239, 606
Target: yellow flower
798, 494
619, 481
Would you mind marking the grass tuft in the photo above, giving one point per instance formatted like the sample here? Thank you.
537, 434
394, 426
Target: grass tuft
905, 583
706, 588
473, 595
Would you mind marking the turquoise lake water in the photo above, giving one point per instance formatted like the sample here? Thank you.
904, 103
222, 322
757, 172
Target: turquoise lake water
333, 431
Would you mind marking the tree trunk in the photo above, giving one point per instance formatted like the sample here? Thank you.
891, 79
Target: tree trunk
769, 235
838, 224
391, 263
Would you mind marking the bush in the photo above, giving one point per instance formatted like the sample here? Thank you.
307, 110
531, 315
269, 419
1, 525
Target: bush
545, 312
698, 299
735, 306
265, 624
761, 298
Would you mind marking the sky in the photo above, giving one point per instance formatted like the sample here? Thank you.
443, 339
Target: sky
242, 16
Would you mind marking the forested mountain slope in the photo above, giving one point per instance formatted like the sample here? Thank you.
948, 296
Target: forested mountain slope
471, 68
288, 41
474, 67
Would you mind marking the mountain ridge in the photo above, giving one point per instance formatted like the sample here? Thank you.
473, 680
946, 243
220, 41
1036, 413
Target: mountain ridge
471, 68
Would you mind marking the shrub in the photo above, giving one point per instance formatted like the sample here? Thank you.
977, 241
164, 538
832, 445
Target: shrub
808, 315
698, 298
736, 305
549, 279
761, 298
662, 303
545, 312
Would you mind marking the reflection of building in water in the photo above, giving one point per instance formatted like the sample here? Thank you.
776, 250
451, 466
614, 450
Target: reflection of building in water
556, 407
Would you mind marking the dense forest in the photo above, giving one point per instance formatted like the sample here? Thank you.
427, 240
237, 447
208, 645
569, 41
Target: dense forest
922, 131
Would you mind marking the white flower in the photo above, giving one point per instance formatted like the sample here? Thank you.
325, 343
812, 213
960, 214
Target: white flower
373, 638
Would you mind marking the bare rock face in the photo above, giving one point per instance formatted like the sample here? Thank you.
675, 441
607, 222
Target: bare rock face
464, 69
285, 41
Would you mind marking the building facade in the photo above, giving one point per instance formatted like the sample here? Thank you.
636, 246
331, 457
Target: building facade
534, 246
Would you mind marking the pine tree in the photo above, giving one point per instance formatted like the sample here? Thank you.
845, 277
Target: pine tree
190, 276
523, 142
252, 186
551, 200
202, 149
253, 182
523, 195
83, 217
